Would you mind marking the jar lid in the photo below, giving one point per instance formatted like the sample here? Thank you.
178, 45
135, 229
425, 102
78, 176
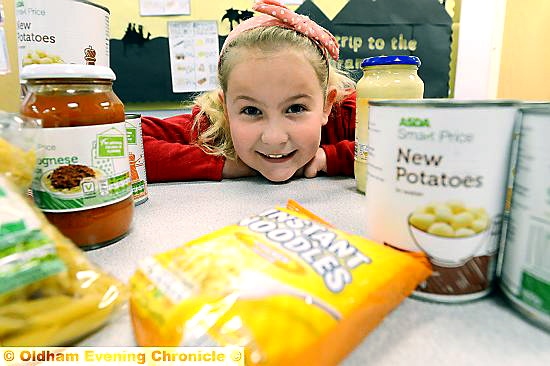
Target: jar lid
66, 71
390, 60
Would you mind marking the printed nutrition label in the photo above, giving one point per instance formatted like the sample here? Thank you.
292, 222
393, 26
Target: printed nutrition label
526, 266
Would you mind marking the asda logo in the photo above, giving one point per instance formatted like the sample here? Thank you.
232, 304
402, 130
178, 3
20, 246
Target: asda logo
414, 122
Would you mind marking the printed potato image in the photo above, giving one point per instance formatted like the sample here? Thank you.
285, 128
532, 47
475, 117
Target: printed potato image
451, 219
41, 57
449, 232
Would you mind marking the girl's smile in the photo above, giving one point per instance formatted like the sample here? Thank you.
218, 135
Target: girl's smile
276, 116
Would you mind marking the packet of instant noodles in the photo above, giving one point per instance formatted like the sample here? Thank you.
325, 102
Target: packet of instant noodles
284, 284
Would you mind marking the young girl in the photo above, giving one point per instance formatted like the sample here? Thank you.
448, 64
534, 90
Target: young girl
282, 109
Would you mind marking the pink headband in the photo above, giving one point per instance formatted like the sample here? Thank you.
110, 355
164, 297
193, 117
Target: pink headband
276, 14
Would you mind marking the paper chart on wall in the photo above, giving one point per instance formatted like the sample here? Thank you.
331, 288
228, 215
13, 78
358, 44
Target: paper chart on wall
194, 49
164, 7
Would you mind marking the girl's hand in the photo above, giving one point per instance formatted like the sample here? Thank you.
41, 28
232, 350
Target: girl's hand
236, 169
316, 165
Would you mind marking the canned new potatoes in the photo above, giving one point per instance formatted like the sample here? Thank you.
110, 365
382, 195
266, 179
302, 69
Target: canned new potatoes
137, 158
47, 34
525, 276
436, 184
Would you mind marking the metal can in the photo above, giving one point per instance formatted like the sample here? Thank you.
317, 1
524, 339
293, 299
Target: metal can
136, 156
525, 275
435, 187
384, 77
62, 31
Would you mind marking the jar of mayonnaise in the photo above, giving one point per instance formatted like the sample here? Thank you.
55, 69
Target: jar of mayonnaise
384, 77
82, 178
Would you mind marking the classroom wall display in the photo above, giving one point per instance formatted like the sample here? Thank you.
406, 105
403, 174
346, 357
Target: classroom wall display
419, 28
144, 61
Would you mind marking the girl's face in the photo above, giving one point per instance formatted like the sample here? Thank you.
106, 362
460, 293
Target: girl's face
275, 108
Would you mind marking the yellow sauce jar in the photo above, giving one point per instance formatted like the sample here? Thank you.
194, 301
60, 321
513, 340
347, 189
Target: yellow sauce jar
384, 77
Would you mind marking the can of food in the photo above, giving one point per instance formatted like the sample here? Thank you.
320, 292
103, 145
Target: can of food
436, 184
136, 157
525, 276
62, 31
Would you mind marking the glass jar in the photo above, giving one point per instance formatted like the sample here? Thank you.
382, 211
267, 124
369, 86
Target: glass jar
384, 77
82, 179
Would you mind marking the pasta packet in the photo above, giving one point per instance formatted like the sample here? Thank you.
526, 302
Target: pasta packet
284, 284
50, 294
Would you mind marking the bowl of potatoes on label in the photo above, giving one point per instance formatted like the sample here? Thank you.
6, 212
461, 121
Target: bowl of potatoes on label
450, 233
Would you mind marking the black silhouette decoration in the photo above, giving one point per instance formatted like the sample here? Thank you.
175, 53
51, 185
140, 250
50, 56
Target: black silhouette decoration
237, 16
133, 37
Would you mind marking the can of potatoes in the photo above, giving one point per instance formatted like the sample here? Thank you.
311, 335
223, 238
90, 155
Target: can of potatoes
136, 156
436, 183
525, 274
63, 32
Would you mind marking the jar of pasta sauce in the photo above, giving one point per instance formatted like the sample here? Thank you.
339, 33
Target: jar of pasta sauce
384, 77
82, 179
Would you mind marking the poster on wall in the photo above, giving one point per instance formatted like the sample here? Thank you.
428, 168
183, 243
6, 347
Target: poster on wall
193, 55
164, 7
419, 28
154, 67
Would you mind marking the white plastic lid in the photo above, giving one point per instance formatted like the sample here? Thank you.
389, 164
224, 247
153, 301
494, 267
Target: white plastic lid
66, 71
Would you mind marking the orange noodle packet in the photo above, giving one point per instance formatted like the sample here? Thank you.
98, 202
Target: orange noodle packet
284, 284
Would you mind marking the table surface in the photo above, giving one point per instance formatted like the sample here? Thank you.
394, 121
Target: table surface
484, 332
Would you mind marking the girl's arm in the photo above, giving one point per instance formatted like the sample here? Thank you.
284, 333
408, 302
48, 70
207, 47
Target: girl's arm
170, 154
338, 138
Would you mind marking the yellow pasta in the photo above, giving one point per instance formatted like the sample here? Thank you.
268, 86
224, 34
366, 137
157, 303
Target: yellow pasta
16, 164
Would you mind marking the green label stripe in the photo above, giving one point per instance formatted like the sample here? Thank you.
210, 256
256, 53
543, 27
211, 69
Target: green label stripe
138, 187
26, 257
119, 178
51, 202
535, 292
21, 241
32, 271
131, 135
9, 228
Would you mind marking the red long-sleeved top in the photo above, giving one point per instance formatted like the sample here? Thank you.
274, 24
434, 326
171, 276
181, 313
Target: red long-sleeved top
171, 155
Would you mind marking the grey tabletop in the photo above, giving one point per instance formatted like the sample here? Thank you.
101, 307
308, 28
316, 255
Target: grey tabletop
484, 332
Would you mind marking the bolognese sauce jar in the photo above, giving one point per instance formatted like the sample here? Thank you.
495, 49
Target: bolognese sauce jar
82, 179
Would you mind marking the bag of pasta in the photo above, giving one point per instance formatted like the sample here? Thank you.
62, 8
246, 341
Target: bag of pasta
284, 284
50, 294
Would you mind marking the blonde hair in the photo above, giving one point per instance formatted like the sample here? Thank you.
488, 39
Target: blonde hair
216, 139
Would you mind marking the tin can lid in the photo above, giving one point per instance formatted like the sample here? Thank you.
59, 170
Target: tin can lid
390, 60
66, 71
